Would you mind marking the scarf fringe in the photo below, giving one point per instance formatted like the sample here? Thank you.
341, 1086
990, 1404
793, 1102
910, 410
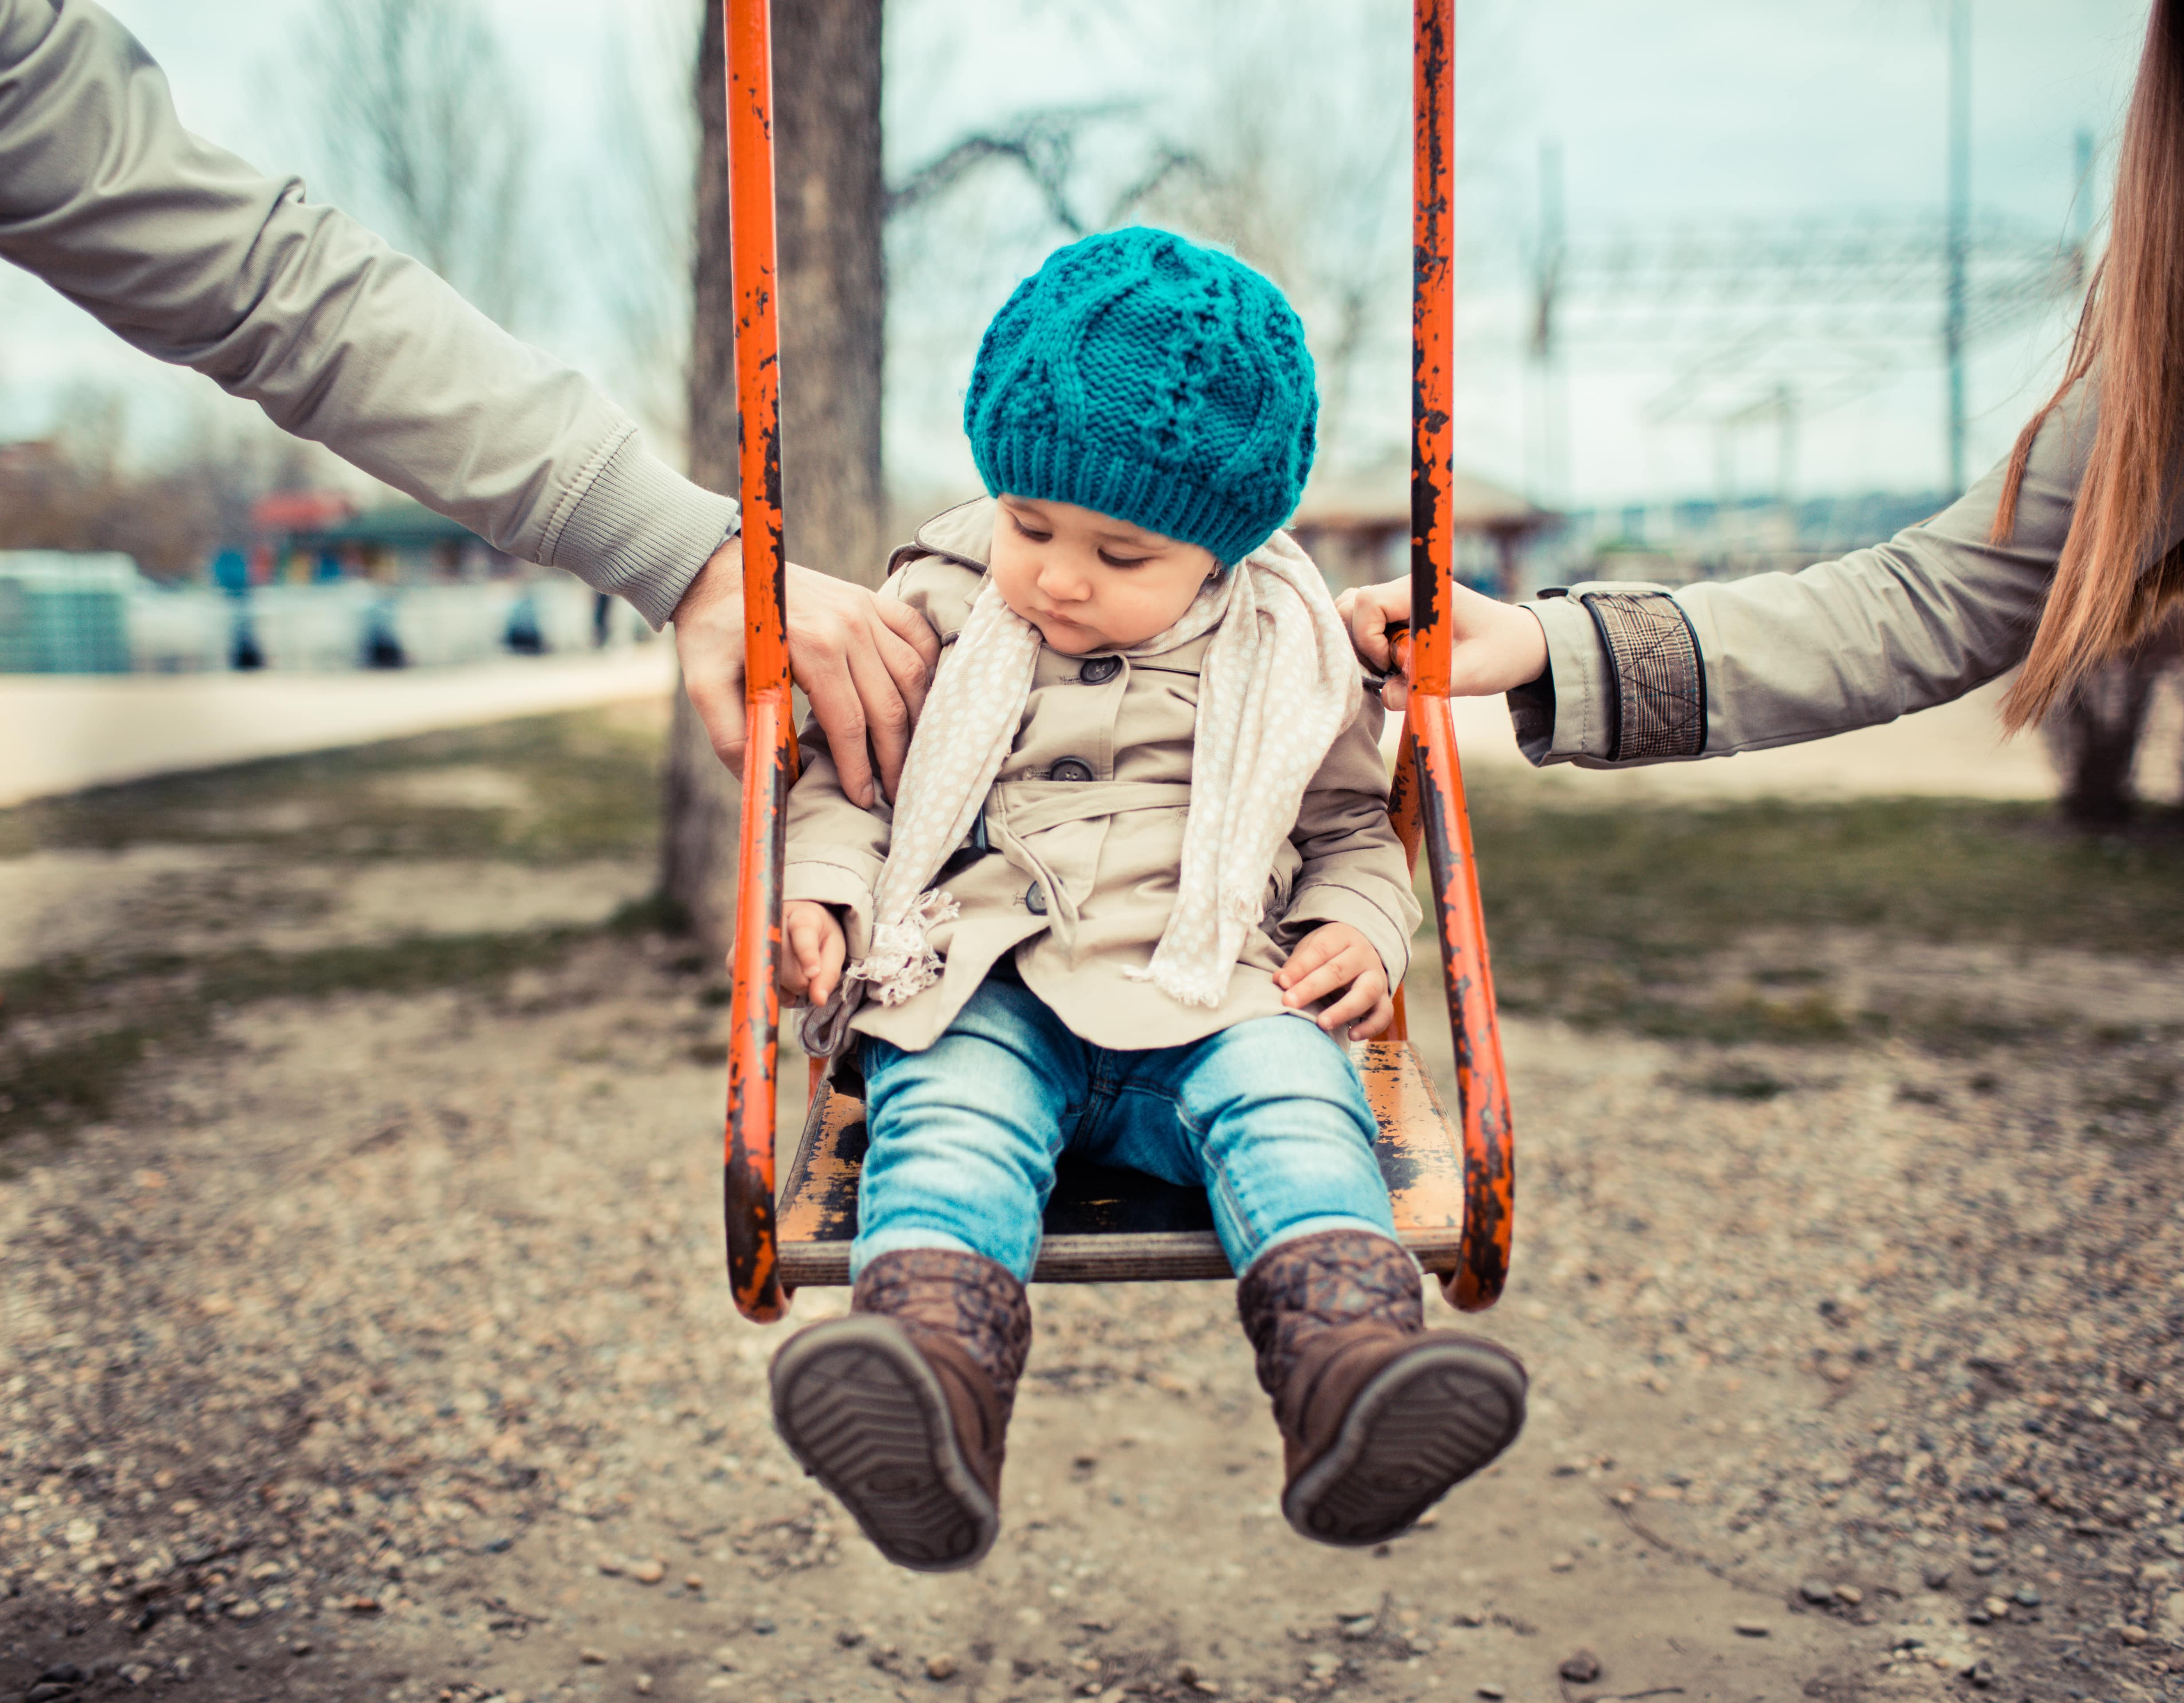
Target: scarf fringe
902, 964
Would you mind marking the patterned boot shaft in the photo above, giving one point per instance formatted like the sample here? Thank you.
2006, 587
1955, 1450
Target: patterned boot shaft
959, 1297
1306, 1287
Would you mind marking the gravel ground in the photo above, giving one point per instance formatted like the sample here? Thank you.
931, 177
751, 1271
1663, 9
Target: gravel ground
375, 1346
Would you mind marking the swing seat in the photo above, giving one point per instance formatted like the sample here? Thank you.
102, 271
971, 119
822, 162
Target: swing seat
1109, 1225
1450, 1178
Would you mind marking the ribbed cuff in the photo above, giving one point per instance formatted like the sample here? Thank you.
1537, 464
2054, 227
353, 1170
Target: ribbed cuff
642, 531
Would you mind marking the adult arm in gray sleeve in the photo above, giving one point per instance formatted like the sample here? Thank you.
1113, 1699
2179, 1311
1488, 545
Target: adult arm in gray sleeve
1640, 675
193, 256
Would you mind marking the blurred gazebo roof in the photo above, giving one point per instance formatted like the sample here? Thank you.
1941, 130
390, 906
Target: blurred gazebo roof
1376, 498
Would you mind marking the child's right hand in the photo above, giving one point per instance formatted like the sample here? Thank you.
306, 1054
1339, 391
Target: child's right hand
813, 948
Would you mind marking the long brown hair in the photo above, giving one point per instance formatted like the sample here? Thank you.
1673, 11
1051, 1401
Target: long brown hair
2132, 328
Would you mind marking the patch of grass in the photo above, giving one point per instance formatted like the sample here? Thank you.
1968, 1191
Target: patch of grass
1619, 916
414, 965
64, 1086
587, 783
1735, 1079
75, 1074
1660, 880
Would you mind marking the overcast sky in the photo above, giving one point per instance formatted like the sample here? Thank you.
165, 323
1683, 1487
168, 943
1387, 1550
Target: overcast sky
1665, 114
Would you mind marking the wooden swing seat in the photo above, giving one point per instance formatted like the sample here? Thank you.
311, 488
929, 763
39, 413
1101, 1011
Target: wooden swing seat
1109, 1226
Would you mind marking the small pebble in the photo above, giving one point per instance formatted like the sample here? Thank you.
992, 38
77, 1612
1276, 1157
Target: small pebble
1581, 1669
1937, 1578
691, 1582
940, 1667
2026, 1597
1562, 1563
591, 1658
649, 1572
643, 1684
1850, 1595
1817, 1591
2132, 1634
1492, 1694
1753, 1628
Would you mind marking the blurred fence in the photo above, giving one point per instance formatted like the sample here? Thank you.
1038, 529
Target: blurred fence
75, 614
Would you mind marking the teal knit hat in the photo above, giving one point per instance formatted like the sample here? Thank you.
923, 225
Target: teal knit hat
1142, 375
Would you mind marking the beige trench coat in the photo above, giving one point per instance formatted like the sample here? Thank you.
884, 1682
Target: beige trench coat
1084, 827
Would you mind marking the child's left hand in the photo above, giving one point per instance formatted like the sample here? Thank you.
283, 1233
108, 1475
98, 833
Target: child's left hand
1333, 955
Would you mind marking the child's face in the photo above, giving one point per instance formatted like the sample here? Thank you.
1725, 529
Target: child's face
1087, 581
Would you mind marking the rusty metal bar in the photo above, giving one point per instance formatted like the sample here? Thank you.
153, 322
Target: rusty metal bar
1403, 817
770, 760
1435, 802
1433, 336
1482, 1089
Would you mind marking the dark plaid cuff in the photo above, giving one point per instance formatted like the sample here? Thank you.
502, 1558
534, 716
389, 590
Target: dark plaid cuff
1659, 703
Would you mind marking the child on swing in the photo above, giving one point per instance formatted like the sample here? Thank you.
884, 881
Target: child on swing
1141, 840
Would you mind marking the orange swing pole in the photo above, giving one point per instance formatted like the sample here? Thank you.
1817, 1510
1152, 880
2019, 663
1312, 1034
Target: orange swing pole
770, 757
1436, 804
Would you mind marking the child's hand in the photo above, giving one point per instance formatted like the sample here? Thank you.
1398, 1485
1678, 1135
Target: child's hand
812, 953
1332, 956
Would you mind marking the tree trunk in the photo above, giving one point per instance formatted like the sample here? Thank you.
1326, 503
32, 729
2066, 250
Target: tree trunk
833, 200
830, 202
2092, 737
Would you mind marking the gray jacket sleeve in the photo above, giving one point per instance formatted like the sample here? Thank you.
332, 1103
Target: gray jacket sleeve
1638, 674
191, 255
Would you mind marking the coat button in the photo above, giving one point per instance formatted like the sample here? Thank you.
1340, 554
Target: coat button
1070, 768
1099, 670
1035, 900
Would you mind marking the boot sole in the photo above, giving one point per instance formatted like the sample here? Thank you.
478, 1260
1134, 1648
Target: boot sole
864, 1414
1428, 1421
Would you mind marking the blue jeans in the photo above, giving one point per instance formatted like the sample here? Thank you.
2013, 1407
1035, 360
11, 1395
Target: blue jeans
1269, 1117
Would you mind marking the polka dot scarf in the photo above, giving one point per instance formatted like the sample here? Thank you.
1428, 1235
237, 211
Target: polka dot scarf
1278, 684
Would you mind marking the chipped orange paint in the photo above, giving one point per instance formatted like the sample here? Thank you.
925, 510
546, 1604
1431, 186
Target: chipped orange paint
770, 757
1433, 335
1481, 1081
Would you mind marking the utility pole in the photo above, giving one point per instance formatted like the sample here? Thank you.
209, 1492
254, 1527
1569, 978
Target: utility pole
1960, 227
1551, 473
2081, 206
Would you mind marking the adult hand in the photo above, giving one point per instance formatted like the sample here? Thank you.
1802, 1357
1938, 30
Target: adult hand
1497, 645
862, 661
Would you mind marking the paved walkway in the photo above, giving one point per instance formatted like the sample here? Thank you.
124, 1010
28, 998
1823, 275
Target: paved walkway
63, 733
1954, 751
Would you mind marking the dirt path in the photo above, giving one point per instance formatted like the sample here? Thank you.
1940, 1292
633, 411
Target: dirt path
385, 1353
372, 1343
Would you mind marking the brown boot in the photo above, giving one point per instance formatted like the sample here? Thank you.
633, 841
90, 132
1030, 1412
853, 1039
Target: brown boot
1379, 1416
902, 1409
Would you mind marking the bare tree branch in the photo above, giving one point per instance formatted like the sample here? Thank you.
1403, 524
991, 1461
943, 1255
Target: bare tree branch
422, 118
